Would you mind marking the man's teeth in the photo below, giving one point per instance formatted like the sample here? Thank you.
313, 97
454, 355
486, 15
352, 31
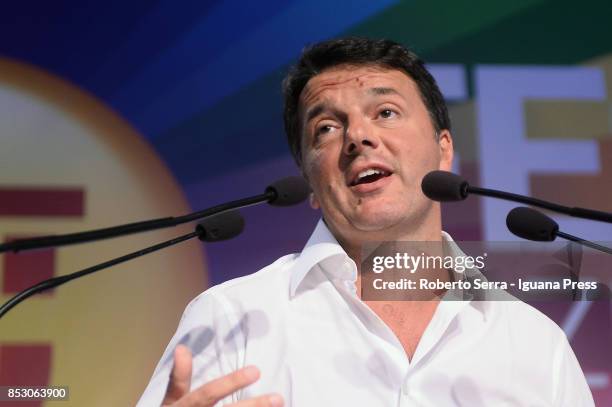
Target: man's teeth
367, 173
370, 171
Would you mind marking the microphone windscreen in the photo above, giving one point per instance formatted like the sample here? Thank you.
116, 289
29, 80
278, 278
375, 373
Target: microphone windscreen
444, 186
288, 191
531, 224
222, 226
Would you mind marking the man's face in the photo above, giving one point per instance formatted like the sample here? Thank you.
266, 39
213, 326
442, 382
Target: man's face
367, 142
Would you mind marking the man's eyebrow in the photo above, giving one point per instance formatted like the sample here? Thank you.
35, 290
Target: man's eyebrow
383, 91
321, 107
315, 111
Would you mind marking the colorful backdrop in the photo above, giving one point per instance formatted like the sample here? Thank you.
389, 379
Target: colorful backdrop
112, 112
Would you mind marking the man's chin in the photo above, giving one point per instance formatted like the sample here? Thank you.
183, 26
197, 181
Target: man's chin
376, 222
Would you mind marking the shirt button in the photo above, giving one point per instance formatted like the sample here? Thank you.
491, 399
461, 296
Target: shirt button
350, 286
350, 271
405, 389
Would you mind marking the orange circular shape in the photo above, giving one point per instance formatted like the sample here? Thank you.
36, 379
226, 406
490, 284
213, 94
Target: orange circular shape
103, 333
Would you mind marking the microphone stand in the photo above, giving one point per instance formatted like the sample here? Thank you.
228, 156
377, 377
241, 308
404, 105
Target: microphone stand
584, 242
213, 230
284, 192
577, 212
444, 186
106, 233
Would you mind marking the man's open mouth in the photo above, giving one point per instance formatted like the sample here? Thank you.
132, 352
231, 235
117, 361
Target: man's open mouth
370, 175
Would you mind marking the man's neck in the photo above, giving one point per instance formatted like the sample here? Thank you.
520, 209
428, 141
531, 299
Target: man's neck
355, 245
428, 231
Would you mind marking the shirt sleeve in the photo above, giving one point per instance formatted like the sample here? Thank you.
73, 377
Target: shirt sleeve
571, 387
213, 334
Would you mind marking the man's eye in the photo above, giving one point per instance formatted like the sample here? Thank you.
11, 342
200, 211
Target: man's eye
324, 129
387, 113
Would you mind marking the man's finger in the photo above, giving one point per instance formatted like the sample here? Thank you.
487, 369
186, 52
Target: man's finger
180, 377
217, 389
269, 400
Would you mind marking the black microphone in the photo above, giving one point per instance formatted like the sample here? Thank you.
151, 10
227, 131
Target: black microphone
445, 186
284, 192
533, 225
530, 224
223, 226
214, 228
287, 191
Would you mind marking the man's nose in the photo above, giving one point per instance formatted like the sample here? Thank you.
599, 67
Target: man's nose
359, 135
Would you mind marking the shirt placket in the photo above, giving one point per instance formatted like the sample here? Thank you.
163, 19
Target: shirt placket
446, 311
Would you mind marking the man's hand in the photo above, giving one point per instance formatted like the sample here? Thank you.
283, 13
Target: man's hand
178, 395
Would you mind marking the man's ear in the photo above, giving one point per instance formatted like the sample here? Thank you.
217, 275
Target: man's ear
314, 202
312, 199
445, 142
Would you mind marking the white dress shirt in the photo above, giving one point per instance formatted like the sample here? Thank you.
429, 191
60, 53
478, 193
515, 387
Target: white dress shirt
301, 322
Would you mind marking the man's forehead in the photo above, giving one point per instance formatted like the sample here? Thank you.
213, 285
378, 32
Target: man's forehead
367, 77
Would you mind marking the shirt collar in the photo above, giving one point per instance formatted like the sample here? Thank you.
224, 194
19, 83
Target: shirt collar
322, 246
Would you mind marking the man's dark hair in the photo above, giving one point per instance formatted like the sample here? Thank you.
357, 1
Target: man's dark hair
357, 51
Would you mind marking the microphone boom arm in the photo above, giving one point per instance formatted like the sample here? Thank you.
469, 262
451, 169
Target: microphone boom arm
57, 281
131, 228
571, 211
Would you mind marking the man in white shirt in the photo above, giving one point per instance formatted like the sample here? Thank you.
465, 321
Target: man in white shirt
365, 122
